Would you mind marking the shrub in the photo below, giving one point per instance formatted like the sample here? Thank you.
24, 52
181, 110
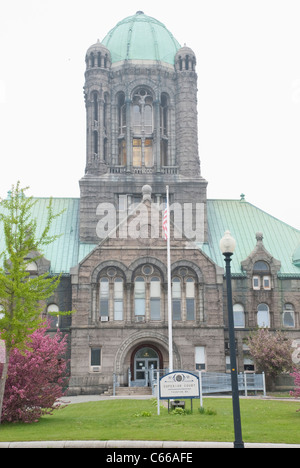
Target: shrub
36, 378
207, 411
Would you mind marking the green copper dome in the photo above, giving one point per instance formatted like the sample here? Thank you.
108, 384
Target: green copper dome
141, 37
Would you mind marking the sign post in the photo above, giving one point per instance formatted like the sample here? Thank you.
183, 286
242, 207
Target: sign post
158, 398
176, 385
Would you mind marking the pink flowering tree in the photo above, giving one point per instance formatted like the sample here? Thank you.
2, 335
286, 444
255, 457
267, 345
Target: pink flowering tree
22, 296
36, 378
272, 353
296, 392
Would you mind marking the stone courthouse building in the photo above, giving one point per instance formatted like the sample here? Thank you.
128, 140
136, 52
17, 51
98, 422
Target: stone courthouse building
141, 136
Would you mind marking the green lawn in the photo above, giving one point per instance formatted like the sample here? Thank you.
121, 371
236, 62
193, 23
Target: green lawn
262, 421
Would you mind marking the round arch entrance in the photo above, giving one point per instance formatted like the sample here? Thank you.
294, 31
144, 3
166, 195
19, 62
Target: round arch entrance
144, 359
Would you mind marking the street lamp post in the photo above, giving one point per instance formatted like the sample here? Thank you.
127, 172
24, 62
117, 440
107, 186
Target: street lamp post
227, 245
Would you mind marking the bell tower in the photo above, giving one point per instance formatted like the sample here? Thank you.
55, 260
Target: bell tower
98, 65
141, 119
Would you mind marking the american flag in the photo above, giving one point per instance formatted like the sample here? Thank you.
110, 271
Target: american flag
165, 223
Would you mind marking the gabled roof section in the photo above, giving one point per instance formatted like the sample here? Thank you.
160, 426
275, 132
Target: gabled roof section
244, 220
63, 253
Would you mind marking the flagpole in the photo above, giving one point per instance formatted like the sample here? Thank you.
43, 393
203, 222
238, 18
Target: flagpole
170, 326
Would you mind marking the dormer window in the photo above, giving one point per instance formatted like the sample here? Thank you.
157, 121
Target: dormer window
261, 276
31, 268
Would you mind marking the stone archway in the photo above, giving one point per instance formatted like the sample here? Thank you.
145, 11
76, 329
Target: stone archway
143, 358
157, 341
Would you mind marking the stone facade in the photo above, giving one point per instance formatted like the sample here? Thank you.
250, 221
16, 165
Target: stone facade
142, 135
265, 294
120, 337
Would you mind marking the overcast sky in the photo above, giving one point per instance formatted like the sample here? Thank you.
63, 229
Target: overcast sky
248, 64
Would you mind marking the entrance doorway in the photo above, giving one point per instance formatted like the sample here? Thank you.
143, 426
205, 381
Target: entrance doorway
146, 360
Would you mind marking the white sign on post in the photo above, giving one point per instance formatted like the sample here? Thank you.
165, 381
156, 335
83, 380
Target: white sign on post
178, 385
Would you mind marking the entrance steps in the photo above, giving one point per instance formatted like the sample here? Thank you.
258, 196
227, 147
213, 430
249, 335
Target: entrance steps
130, 391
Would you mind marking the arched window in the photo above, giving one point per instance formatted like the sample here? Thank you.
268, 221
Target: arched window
155, 292
261, 267
104, 299
31, 267
239, 316
140, 299
142, 124
92, 59
263, 316
111, 296
190, 299
52, 315
176, 299
118, 299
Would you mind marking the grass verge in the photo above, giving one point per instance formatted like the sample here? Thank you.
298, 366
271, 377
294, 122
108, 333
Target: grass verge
262, 421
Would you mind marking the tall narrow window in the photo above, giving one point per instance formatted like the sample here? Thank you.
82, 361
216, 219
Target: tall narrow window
105, 110
164, 115
104, 298
148, 124
118, 299
142, 123
122, 114
164, 152
95, 359
288, 316
148, 153
137, 119
95, 107
155, 291
105, 150
137, 152
239, 316
140, 298
190, 299
95, 143
122, 152
176, 298
263, 316
53, 315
